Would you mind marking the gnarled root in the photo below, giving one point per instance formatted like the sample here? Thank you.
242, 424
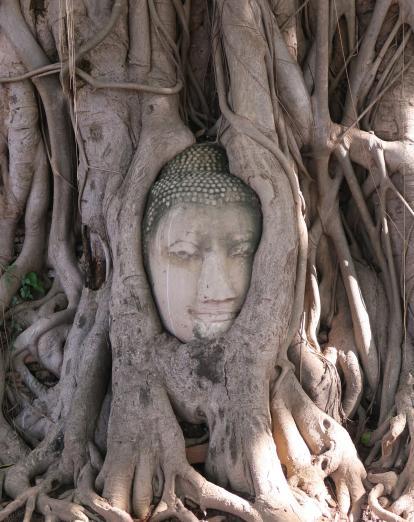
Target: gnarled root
12, 447
27, 499
341, 337
318, 376
20, 158
318, 447
400, 488
136, 457
54, 510
32, 255
28, 495
38, 461
190, 485
376, 507
303, 470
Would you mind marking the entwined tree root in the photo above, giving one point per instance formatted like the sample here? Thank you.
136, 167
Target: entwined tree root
264, 130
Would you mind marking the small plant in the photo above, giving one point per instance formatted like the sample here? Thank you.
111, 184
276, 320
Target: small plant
366, 438
31, 284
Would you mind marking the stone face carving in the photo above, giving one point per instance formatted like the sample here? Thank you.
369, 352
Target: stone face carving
202, 227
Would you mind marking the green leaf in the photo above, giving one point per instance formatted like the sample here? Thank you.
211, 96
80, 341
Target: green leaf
31, 281
366, 438
25, 293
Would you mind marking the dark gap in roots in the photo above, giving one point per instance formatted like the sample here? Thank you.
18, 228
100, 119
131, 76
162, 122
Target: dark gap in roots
43, 375
193, 431
38, 6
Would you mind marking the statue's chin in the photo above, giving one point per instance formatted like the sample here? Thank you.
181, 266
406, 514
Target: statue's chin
212, 329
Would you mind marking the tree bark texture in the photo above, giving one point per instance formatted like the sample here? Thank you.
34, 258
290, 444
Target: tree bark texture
306, 402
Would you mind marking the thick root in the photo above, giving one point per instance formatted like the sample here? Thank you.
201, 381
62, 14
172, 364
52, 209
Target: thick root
12, 447
85, 495
27, 499
318, 376
303, 470
56, 510
333, 451
28, 495
373, 501
392, 435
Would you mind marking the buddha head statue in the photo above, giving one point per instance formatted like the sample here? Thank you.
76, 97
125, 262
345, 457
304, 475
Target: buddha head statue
201, 230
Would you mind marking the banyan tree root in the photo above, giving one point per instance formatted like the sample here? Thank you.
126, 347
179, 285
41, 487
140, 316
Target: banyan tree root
399, 488
318, 375
385, 483
314, 446
159, 468
12, 447
18, 161
328, 451
144, 441
31, 257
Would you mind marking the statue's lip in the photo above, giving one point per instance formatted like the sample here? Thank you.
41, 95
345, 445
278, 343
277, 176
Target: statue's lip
214, 316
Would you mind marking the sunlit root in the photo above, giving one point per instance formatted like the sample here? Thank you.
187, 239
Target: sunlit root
403, 489
330, 444
341, 337
376, 507
404, 506
386, 484
396, 428
55, 510
127, 482
392, 433
317, 375
85, 494
303, 470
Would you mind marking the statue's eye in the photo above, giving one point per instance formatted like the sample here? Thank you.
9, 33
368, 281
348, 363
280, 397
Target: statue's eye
244, 249
184, 251
181, 254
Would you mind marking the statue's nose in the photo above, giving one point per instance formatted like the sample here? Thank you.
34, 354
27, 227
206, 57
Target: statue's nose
215, 283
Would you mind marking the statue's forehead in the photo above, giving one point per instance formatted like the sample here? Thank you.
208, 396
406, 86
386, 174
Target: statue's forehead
196, 222
198, 176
